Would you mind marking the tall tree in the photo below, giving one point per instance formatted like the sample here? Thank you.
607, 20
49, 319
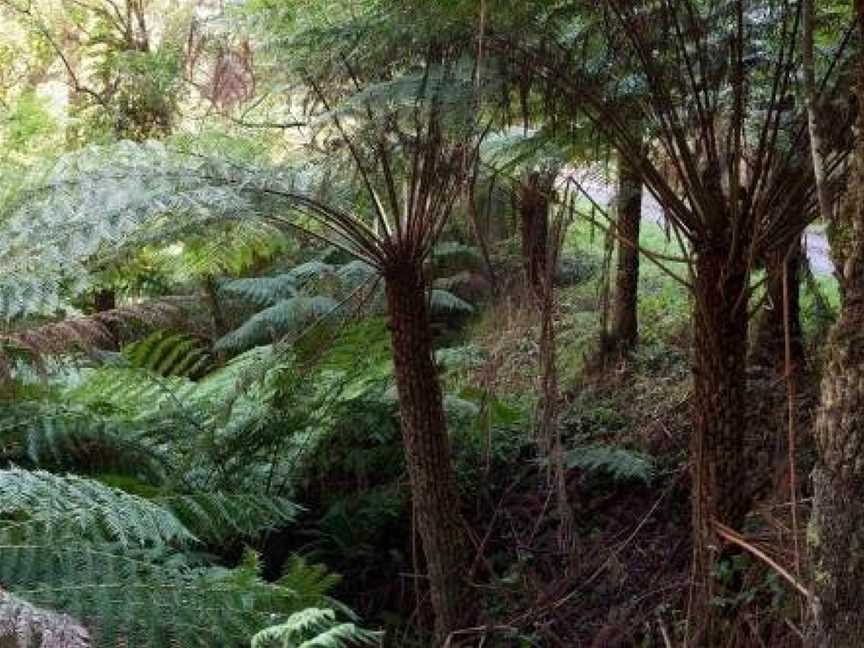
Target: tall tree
738, 190
533, 203
412, 161
624, 331
837, 525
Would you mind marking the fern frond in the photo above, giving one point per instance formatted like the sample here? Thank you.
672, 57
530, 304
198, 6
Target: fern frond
261, 291
619, 463
67, 437
451, 254
145, 599
216, 517
85, 333
313, 628
51, 507
274, 323
167, 354
443, 301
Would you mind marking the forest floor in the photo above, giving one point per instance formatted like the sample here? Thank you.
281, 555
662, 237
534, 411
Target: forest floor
626, 581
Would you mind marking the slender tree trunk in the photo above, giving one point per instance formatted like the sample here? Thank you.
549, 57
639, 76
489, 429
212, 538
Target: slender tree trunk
624, 332
811, 96
211, 297
717, 453
769, 341
534, 218
427, 448
837, 523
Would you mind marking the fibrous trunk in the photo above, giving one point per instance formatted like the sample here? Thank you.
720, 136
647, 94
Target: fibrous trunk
836, 531
427, 448
105, 300
624, 331
534, 220
717, 453
769, 348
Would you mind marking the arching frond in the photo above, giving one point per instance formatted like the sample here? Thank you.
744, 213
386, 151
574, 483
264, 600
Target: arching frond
442, 301
53, 508
274, 323
261, 291
167, 354
313, 628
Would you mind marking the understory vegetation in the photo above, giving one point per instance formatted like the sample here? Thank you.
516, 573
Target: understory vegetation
474, 323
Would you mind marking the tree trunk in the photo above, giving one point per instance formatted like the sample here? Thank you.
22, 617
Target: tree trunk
105, 300
717, 453
427, 448
624, 332
534, 218
769, 342
836, 531
211, 298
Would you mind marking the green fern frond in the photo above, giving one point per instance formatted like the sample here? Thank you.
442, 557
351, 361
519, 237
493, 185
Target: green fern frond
261, 291
167, 354
49, 506
310, 271
452, 254
311, 582
144, 598
313, 628
442, 301
216, 517
619, 463
274, 323
67, 437
355, 273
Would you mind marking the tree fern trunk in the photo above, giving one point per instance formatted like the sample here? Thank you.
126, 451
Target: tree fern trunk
769, 343
534, 225
427, 448
836, 531
105, 299
624, 331
717, 454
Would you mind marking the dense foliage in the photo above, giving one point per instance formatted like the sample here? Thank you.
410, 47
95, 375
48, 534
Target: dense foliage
465, 323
